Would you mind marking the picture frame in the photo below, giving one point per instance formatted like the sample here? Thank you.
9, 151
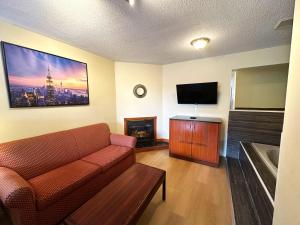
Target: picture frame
39, 79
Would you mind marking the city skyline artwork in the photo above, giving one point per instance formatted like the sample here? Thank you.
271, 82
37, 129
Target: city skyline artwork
37, 79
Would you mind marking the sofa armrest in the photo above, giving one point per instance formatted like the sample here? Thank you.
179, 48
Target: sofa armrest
122, 140
15, 192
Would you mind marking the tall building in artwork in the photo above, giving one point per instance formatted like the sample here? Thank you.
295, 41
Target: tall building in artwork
50, 98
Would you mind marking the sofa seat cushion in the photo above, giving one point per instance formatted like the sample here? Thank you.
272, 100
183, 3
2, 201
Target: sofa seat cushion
51, 186
109, 156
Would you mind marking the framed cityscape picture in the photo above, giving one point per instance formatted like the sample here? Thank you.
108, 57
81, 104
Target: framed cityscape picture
39, 79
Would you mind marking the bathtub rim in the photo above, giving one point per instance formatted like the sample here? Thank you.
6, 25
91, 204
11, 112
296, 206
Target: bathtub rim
262, 151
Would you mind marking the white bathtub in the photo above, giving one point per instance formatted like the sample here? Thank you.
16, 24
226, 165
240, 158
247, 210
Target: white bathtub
269, 155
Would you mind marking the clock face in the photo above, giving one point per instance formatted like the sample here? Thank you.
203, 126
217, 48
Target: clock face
140, 91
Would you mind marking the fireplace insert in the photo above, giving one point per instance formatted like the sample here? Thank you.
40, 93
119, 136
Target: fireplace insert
143, 130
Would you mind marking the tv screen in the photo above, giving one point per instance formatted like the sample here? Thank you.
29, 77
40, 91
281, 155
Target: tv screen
201, 93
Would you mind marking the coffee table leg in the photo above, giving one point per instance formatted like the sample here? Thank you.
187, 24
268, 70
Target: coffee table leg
164, 190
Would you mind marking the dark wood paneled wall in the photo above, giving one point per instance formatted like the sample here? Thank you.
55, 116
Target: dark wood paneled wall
260, 201
250, 201
247, 126
244, 211
268, 178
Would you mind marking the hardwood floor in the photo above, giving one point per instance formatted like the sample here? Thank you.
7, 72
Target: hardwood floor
196, 194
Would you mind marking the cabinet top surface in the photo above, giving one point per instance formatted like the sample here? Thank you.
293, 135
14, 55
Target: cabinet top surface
199, 119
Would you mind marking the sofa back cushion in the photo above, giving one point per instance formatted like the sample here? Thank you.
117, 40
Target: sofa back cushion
91, 138
34, 156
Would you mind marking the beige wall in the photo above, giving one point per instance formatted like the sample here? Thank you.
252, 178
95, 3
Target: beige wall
288, 180
212, 69
19, 123
261, 87
127, 76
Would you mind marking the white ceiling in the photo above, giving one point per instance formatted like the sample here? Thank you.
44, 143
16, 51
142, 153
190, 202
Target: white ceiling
154, 31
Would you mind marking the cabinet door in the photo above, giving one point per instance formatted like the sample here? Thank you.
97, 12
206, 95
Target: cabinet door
205, 142
180, 137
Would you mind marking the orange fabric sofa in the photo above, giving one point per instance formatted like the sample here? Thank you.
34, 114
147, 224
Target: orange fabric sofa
45, 178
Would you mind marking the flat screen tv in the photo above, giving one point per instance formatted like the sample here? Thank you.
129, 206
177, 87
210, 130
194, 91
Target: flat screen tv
200, 93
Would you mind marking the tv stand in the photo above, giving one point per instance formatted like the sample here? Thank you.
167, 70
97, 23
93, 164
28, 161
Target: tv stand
195, 139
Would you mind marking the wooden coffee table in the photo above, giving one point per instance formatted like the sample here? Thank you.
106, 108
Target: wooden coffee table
123, 201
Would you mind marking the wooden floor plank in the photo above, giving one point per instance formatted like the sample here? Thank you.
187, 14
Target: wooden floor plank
196, 194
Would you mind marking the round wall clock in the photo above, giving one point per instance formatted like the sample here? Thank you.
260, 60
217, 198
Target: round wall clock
139, 91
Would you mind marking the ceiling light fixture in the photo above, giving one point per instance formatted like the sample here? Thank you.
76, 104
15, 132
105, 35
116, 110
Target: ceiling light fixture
200, 43
131, 2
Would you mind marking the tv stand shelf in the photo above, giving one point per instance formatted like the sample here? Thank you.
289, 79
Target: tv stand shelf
195, 140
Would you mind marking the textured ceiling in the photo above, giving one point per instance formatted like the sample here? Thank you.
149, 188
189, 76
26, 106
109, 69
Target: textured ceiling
154, 31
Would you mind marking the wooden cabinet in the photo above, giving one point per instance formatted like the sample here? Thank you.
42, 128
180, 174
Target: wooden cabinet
196, 140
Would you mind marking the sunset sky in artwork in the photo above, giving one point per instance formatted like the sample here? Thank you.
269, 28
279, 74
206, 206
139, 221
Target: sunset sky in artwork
29, 68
